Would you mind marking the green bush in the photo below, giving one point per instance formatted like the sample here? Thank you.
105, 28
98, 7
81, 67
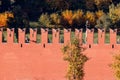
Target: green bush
55, 19
104, 22
114, 13
44, 20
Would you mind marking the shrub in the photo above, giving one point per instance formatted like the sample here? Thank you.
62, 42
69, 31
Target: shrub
104, 22
44, 20
73, 54
116, 66
55, 19
114, 13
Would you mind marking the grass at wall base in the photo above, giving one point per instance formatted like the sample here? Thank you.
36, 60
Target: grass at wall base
73, 54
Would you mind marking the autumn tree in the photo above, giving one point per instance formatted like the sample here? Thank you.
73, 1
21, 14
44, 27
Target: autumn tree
44, 20
79, 20
55, 19
114, 14
67, 18
73, 53
72, 18
91, 18
103, 4
4, 18
90, 5
99, 13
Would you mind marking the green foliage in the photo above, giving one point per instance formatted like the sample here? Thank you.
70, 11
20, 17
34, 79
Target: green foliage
73, 54
67, 13
41, 6
55, 19
44, 20
114, 13
116, 66
34, 24
50, 21
104, 22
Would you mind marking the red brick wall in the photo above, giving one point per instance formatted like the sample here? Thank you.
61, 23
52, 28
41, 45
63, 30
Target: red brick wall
44, 61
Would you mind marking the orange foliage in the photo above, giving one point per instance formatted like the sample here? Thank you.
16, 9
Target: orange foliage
78, 14
99, 14
4, 18
90, 16
68, 16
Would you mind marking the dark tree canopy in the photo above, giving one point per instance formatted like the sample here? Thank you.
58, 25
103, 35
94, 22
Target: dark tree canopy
34, 8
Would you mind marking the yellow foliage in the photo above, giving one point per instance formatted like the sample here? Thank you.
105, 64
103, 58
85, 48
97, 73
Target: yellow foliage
4, 18
114, 12
55, 18
99, 14
90, 16
70, 16
78, 14
73, 53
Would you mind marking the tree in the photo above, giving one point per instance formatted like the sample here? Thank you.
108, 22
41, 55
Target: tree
79, 20
73, 53
33, 8
5, 5
68, 17
90, 5
104, 22
114, 14
71, 18
5, 18
99, 13
59, 4
91, 18
55, 19
103, 4
44, 20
